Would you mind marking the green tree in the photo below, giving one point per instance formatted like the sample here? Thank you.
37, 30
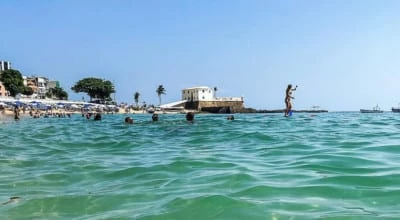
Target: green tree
160, 91
61, 94
49, 93
136, 97
27, 91
57, 93
95, 88
12, 81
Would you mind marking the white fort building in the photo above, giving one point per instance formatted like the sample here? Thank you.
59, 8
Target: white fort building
203, 98
201, 93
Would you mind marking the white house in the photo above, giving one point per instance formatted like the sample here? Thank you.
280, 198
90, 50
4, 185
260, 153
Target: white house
201, 93
5, 65
39, 85
204, 93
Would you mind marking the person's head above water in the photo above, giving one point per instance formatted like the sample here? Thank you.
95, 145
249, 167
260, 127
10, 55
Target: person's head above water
128, 120
230, 117
97, 117
190, 116
154, 117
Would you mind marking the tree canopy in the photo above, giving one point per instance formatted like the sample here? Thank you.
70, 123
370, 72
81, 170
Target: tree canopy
160, 91
136, 97
12, 81
94, 88
57, 93
27, 91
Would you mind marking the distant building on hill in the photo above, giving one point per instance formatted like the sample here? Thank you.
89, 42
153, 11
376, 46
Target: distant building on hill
203, 98
53, 84
5, 65
40, 85
3, 91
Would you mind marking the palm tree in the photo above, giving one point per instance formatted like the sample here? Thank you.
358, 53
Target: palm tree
160, 91
136, 97
215, 91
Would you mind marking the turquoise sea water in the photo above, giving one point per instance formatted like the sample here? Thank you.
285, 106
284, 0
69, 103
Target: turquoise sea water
260, 166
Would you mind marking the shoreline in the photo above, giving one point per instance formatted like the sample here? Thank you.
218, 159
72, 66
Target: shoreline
10, 112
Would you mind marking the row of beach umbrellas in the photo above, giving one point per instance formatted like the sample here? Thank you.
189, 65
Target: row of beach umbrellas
59, 105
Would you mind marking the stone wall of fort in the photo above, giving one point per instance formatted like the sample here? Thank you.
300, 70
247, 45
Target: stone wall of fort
216, 106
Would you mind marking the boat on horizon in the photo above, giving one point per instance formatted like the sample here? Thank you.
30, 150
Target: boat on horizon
375, 109
394, 109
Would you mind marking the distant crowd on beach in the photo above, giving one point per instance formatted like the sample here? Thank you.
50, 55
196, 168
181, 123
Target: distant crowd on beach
89, 115
37, 113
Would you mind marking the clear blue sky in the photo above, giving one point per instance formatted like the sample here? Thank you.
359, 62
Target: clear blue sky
344, 55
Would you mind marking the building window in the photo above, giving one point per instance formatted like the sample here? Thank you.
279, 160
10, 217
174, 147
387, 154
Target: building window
203, 90
203, 97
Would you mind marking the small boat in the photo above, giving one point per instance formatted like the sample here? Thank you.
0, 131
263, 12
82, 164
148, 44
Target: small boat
375, 109
396, 109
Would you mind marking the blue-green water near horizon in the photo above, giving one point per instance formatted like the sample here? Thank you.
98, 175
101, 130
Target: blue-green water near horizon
259, 166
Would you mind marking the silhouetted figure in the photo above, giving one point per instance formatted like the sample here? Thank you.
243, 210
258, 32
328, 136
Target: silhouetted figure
16, 113
154, 117
190, 116
128, 120
230, 117
88, 115
288, 99
97, 117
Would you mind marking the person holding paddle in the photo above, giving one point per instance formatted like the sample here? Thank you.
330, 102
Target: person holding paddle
288, 98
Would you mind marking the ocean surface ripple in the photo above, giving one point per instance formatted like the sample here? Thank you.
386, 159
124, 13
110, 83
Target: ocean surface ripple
259, 166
